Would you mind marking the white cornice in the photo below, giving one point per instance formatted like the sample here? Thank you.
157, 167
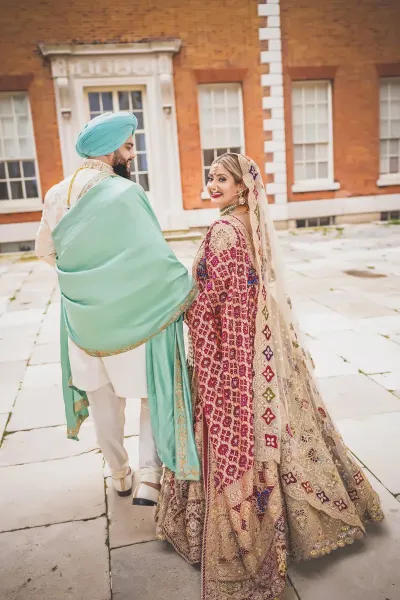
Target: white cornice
55, 50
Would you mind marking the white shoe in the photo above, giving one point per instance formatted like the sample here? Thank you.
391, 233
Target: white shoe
147, 491
123, 485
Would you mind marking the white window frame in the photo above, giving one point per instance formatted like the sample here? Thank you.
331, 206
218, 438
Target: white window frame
316, 185
126, 88
24, 204
237, 86
386, 179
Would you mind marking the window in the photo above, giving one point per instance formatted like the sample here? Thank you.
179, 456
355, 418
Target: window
315, 222
221, 121
312, 136
18, 170
132, 101
389, 131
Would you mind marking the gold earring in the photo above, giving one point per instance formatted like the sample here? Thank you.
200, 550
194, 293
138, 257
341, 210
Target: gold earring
242, 199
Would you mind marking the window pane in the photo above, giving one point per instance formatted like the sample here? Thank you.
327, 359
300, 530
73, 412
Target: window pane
234, 136
14, 170
21, 105
236, 150
323, 170
139, 116
106, 98
29, 168
384, 110
322, 113
142, 162
384, 129
297, 96
5, 106
204, 98
393, 165
123, 100
298, 172
206, 118
206, 173
208, 157
207, 138
297, 115
395, 109
232, 97
221, 151
220, 116
2, 170
7, 127
310, 114
23, 126
94, 102
395, 91
26, 147
309, 94
323, 133
140, 141
298, 153
222, 137
219, 96
310, 152
144, 182
322, 92
16, 190
384, 166
310, 171
137, 103
297, 134
3, 191
310, 133
384, 91
31, 189
395, 128
322, 151
233, 116
11, 149
393, 147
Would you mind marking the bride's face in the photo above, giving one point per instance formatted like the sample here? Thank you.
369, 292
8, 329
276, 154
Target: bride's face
222, 187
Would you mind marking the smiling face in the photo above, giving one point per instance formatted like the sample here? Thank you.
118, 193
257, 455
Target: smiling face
123, 157
222, 186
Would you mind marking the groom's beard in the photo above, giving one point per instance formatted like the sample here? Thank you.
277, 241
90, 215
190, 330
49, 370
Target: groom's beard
121, 168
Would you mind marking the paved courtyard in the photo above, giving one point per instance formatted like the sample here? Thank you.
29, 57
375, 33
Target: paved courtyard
64, 532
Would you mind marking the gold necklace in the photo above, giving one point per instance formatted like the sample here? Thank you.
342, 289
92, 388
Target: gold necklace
227, 210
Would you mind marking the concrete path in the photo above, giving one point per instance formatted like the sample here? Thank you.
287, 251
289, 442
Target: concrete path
64, 532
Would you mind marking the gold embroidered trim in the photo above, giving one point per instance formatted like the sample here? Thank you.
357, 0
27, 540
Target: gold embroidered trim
102, 353
72, 433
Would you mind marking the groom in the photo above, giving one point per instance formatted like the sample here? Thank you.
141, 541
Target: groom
123, 294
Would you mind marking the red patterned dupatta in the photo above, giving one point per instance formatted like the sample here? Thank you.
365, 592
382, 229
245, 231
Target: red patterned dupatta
278, 481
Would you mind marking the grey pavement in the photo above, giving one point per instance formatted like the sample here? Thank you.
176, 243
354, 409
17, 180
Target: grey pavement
63, 531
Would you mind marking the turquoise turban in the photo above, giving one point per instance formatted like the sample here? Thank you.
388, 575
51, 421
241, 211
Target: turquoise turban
105, 134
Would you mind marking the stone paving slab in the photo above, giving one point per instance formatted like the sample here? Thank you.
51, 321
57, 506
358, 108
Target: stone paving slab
367, 570
327, 363
48, 443
64, 561
21, 317
128, 524
51, 492
368, 351
39, 376
11, 374
16, 350
356, 396
390, 381
38, 407
45, 353
375, 441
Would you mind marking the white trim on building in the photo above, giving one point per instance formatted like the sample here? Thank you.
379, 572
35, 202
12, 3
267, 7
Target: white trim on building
272, 83
76, 68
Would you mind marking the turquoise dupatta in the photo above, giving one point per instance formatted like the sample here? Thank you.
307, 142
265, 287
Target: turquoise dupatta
122, 286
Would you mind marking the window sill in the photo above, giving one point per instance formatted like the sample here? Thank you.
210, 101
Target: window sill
315, 186
20, 206
385, 180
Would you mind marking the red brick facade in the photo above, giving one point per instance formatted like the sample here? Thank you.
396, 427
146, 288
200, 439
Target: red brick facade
217, 46
351, 42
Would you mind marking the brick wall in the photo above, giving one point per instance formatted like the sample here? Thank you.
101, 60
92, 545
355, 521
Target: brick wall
220, 43
350, 42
